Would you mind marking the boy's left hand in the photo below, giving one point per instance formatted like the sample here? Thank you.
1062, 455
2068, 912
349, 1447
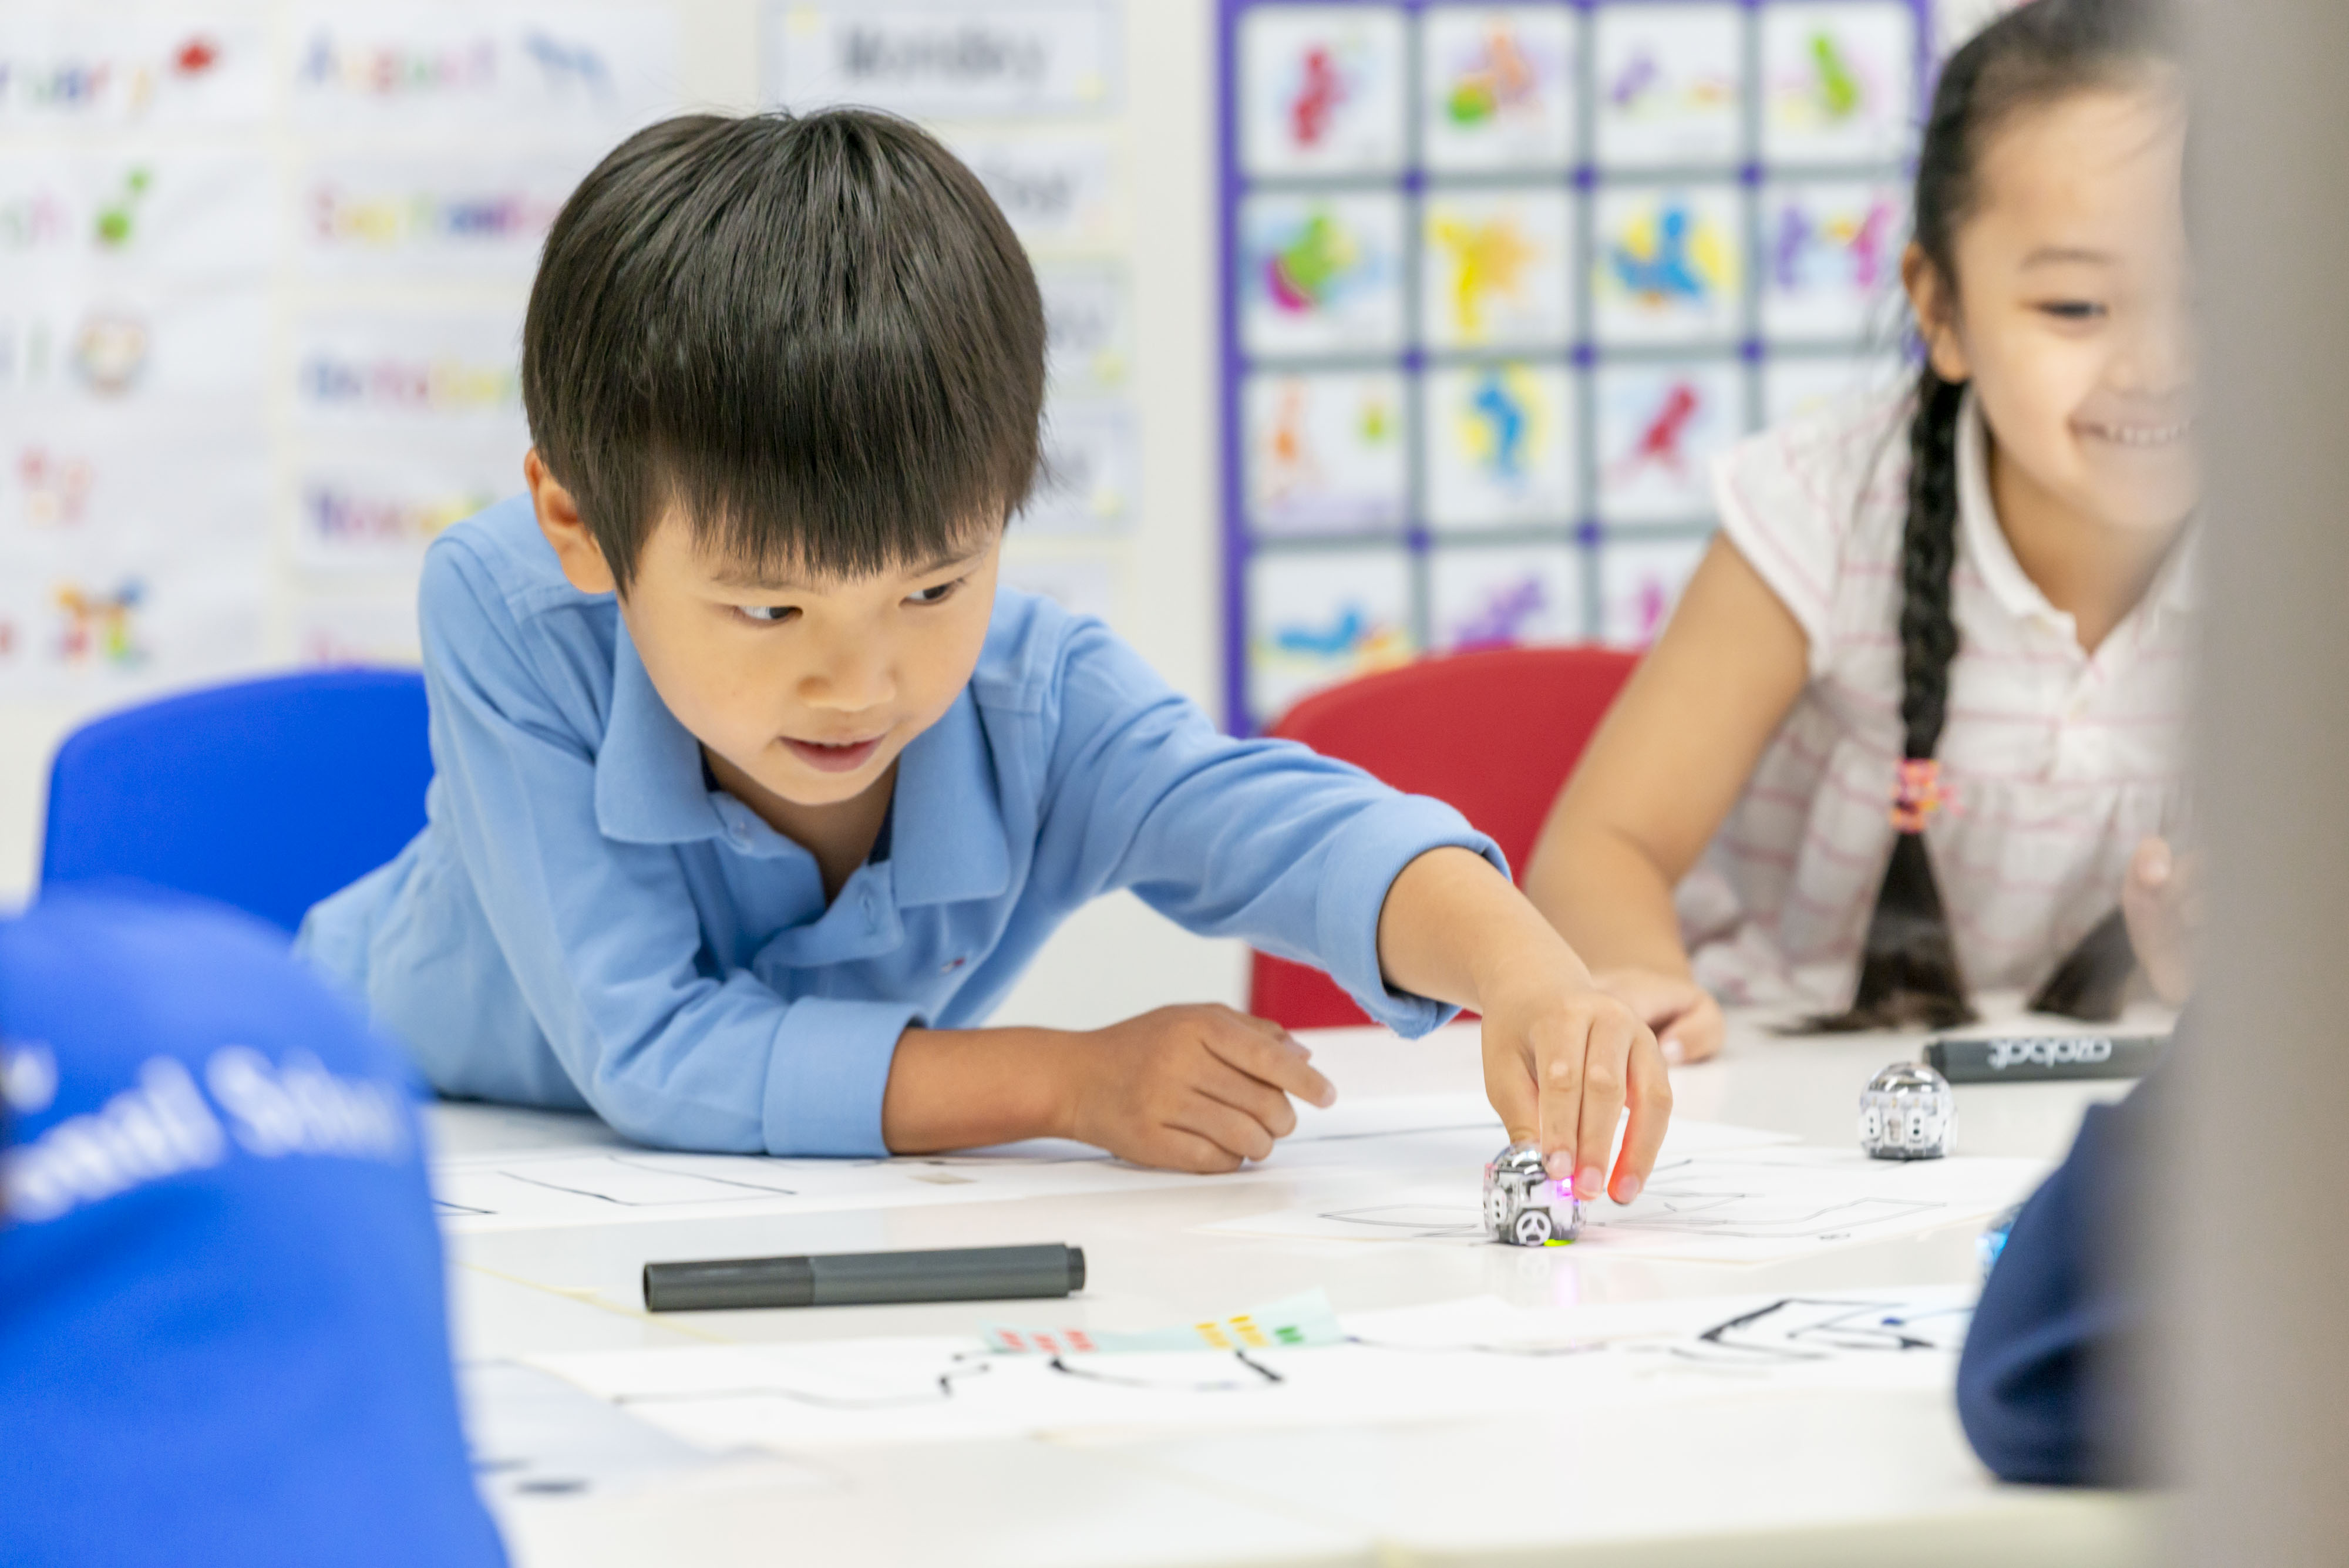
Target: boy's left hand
1562, 1062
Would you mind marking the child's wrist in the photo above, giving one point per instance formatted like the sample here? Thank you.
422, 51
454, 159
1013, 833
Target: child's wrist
1533, 953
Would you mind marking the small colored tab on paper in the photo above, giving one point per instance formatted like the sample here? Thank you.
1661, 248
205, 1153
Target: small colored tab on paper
1299, 1321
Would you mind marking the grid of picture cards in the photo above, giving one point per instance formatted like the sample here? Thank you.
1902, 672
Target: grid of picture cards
1502, 281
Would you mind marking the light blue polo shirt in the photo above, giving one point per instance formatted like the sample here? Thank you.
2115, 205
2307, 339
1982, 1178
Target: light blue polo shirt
586, 922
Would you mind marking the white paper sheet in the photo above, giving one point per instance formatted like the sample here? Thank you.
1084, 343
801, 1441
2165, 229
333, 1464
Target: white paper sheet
1357, 1142
1754, 1205
1453, 1360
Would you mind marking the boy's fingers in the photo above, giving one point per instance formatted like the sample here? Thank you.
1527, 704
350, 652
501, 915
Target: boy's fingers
1266, 1026
1228, 1128
1188, 1151
1651, 1111
1558, 1047
1606, 1071
1509, 1085
1251, 1096
1283, 1066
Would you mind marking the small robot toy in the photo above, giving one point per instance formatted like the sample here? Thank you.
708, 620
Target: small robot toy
1908, 1111
1523, 1205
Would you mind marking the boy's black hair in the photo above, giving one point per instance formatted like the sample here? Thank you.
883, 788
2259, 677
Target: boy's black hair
2033, 55
814, 335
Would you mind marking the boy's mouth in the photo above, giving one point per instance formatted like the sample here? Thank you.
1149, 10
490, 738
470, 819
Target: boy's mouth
835, 759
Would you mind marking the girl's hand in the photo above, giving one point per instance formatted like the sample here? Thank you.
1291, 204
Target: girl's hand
2162, 899
1561, 1061
1197, 1088
1687, 1020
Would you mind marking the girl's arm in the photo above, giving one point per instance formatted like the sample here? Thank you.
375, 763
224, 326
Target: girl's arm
1663, 770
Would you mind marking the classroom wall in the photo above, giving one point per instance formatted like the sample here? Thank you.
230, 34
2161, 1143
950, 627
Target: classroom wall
1154, 572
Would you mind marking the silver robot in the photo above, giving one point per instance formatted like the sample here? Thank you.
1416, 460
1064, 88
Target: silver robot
1523, 1206
1908, 1111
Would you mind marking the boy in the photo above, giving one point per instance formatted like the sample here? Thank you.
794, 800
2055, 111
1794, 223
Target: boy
223, 1330
754, 794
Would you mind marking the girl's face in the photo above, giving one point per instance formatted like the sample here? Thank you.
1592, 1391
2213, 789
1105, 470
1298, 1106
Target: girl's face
2071, 316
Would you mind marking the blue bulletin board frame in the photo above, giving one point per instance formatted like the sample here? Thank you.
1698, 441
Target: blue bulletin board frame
1582, 532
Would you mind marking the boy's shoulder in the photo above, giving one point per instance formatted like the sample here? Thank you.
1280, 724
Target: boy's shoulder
1030, 638
499, 553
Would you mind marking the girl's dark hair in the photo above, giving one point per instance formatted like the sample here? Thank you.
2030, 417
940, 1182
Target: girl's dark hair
2033, 56
815, 336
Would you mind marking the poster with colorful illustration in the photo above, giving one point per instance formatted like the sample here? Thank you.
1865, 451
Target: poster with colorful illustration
1503, 596
1596, 244
1327, 452
1500, 444
1321, 274
1320, 617
1496, 89
1322, 90
1838, 81
1640, 582
1496, 269
1667, 264
1658, 429
1831, 261
1668, 86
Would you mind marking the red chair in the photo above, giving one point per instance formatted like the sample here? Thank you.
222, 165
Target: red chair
1493, 733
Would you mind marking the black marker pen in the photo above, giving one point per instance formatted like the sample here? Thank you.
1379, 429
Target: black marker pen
866, 1278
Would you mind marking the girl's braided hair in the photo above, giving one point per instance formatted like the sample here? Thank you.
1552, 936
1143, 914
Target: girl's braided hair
2034, 55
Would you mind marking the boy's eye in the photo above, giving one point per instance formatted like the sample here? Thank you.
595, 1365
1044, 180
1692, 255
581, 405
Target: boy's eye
766, 615
2073, 309
933, 595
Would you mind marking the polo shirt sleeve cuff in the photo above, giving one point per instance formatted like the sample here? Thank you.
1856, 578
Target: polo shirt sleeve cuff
1364, 861
830, 1071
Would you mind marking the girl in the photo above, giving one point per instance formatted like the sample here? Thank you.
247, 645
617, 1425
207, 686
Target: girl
1923, 697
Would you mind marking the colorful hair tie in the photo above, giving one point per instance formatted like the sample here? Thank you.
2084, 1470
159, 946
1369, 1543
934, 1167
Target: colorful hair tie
1918, 792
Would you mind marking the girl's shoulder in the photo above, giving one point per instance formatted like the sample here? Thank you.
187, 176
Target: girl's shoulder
1807, 501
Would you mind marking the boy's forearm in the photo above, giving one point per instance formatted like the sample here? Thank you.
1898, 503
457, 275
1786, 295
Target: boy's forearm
1607, 899
966, 1088
1451, 921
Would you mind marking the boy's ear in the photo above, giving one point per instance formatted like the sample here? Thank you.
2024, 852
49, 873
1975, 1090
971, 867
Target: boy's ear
1936, 306
558, 518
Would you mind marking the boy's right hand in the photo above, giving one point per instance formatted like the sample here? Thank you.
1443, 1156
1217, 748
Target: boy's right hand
1199, 1088
1686, 1018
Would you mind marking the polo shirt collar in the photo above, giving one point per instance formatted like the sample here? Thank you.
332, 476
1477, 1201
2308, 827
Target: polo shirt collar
648, 778
947, 834
1985, 541
2174, 586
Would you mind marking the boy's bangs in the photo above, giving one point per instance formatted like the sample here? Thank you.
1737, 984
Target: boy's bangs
816, 337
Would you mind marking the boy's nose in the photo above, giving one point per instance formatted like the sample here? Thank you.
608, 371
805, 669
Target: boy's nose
855, 680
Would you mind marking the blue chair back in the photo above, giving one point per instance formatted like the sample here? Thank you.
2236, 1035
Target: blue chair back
267, 794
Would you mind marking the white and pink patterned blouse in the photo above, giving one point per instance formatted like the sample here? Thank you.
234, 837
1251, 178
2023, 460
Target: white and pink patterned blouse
2058, 761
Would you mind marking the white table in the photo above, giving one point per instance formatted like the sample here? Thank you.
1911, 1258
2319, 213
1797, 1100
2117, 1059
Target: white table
1808, 1480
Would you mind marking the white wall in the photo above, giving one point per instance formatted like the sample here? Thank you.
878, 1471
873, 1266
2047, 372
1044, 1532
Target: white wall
1118, 957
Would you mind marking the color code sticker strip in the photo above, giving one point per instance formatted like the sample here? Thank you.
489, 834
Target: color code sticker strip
1294, 1322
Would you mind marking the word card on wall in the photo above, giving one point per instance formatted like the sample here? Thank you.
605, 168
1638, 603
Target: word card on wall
1500, 282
